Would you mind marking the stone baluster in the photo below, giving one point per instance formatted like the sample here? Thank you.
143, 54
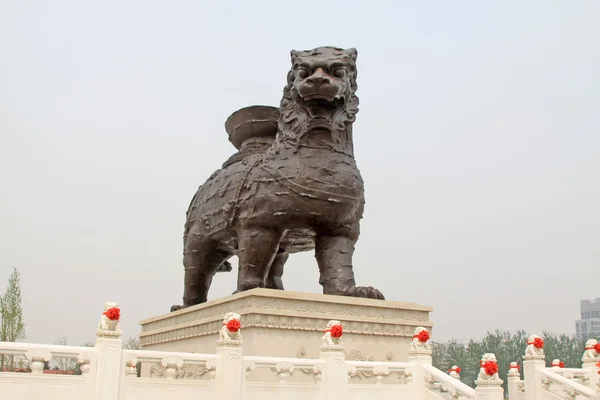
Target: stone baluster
317, 374
335, 371
534, 361
380, 372
420, 354
284, 371
131, 366
211, 368
110, 348
84, 364
230, 374
37, 360
171, 365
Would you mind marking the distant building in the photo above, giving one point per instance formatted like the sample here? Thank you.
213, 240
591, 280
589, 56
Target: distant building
589, 324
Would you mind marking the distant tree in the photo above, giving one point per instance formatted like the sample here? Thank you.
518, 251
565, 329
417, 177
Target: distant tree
64, 363
12, 326
507, 348
77, 368
132, 343
566, 348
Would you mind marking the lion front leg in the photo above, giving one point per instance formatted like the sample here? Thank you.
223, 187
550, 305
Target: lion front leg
102, 325
334, 256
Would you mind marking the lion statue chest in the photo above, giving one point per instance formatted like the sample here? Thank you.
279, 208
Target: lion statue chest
306, 185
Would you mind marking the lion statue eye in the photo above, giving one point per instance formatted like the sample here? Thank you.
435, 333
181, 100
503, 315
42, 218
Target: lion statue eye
339, 72
303, 73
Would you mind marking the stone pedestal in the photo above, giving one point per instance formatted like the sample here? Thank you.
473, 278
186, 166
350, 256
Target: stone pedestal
279, 323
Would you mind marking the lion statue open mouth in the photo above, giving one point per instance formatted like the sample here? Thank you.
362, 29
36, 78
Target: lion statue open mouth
292, 186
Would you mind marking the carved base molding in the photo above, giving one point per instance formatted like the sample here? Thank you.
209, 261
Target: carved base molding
276, 309
281, 323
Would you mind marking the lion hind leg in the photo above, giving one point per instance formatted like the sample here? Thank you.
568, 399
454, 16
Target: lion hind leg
257, 249
274, 280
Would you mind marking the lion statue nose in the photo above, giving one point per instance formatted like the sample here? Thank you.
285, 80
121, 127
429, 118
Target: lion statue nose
318, 79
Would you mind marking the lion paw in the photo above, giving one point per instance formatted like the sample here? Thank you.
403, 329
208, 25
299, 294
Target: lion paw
177, 307
367, 292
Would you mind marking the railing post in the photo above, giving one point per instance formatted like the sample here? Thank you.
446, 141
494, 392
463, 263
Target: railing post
488, 383
230, 374
419, 354
514, 379
590, 362
109, 346
534, 360
334, 376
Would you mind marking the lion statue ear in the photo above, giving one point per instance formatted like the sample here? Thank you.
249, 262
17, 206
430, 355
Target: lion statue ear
353, 53
293, 54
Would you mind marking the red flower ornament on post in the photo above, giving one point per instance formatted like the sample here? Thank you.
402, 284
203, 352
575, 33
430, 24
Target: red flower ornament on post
557, 364
336, 331
114, 314
234, 325
332, 336
490, 367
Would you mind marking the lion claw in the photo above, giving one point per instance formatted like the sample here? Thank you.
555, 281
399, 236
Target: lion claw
176, 307
367, 292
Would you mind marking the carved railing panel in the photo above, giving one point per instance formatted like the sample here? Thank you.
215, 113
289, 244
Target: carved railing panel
167, 365
556, 383
283, 370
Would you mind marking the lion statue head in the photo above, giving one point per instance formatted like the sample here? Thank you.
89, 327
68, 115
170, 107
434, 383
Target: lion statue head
333, 323
489, 357
320, 94
230, 317
110, 304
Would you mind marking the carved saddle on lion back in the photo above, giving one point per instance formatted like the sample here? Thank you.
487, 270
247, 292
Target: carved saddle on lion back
292, 186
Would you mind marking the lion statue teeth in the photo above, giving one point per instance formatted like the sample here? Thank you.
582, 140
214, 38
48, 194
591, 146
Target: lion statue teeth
293, 186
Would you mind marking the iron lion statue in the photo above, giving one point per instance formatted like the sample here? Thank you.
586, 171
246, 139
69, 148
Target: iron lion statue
292, 186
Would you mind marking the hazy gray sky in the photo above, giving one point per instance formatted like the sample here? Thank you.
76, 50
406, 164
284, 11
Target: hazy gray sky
478, 139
